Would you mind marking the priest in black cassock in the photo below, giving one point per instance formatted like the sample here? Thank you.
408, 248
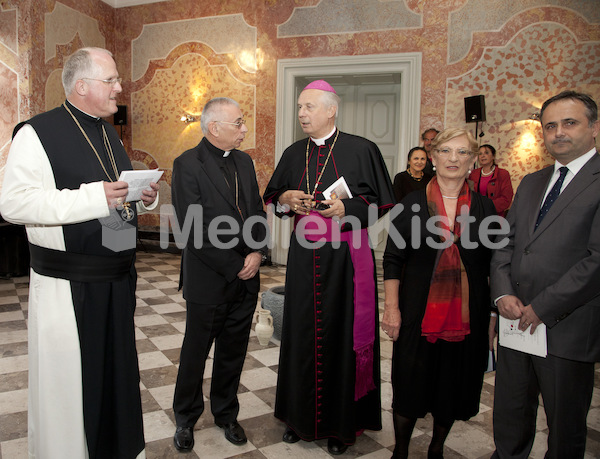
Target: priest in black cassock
219, 272
61, 181
329, 381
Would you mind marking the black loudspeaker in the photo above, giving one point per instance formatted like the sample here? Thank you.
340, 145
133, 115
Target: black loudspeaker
120, 118
474, 109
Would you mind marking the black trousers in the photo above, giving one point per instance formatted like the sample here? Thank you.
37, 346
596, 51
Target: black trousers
566, 387
228, 325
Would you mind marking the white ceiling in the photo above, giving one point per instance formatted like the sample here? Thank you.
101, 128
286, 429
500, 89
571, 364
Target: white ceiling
123, 3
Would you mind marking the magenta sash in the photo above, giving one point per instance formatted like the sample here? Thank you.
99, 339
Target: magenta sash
316, 228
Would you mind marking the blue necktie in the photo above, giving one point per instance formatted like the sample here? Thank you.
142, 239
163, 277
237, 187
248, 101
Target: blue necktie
552, 196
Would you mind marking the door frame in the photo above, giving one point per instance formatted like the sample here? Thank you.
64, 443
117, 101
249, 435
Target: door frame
408, 65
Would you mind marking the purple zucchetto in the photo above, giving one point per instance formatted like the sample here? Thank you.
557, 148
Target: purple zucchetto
320, 84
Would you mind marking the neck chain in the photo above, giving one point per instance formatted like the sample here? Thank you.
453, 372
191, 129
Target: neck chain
418, 179
109, 151
125, 207
237, 194
322, 170
450, 197
485, 174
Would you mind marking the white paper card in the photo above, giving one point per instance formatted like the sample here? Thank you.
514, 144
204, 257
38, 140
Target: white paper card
138, 181
511, 337
338, 190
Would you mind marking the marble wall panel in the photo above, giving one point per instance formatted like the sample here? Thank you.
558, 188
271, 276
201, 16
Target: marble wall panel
55, 93
8, 25
8, 74
9, 101
64, 23
481, 15
9, 79
9, 116
157, 40
540, 61
182, 89
347, 16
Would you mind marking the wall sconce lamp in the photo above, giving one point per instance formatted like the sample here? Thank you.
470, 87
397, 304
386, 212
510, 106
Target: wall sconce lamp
187, 119
535, 116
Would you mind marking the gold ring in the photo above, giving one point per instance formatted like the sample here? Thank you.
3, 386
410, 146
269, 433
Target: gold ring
119, 201
295, 206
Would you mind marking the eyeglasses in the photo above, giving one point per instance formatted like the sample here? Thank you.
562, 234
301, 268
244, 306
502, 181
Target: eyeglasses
110, 81
459, 151
237, 124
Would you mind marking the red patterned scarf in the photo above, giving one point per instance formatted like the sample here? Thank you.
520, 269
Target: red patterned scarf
447, 312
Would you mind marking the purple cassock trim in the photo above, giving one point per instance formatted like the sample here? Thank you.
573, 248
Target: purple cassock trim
315, 228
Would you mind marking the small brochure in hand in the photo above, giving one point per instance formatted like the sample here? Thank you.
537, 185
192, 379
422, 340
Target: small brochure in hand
138, 181
509, 335
338, 190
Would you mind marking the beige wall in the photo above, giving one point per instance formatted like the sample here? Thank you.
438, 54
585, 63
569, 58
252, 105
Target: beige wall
176, 55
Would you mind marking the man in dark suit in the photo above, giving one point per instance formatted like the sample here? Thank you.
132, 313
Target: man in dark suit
214, 182
550, 273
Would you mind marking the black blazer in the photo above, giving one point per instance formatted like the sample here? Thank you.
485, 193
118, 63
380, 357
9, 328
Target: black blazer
556, 268
209, 273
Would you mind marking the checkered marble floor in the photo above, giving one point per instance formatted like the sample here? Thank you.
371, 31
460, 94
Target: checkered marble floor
160, 321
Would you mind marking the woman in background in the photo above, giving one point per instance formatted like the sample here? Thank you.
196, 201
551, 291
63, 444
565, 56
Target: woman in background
491, 181
413, 178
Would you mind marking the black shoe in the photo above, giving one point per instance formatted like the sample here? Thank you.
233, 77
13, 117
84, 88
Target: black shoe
336, 447
234, 433
289, 436
184, 438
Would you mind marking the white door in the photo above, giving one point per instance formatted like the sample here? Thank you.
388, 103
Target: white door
378, 116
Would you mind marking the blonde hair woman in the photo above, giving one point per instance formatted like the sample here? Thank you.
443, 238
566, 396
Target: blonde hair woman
437, 301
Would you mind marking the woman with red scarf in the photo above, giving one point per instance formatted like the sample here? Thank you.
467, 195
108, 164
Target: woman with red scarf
437, 299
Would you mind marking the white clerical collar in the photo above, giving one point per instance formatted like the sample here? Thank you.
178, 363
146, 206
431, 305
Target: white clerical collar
322, 140
85, 113
576, 165
226, 154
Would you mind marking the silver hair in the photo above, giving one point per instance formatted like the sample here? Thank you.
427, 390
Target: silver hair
212, 110
331, 99
80, 65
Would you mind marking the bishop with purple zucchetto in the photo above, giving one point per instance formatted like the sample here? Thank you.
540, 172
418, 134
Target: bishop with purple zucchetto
329, 382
